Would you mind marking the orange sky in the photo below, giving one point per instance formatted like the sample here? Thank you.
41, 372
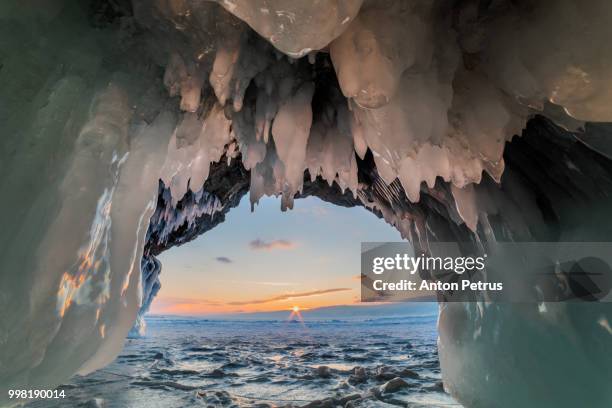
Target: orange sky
269, 260
282, 300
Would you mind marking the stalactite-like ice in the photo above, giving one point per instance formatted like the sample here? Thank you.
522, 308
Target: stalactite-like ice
422, 82
290, 131
430, 91
195, 144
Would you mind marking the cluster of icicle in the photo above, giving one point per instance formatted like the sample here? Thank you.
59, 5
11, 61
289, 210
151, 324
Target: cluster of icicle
431, 91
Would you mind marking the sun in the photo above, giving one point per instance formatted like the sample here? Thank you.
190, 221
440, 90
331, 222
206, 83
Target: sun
295, 315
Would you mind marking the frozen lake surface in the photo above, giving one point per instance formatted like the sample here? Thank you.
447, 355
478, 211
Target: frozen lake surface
184, 362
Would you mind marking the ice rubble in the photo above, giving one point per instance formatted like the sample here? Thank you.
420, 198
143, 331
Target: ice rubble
433, 89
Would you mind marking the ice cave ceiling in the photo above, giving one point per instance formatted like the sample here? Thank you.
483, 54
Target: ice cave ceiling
129, 127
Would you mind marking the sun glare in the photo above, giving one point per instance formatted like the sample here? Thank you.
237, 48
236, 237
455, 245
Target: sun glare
296, 315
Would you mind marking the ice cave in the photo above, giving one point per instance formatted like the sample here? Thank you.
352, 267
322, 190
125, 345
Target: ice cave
133, 126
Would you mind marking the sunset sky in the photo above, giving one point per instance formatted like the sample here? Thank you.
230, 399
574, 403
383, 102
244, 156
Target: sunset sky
270, 260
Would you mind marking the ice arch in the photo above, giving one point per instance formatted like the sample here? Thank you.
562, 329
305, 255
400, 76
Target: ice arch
100, 101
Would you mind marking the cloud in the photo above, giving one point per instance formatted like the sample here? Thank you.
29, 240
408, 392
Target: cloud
261, 245
288, 296
223, 259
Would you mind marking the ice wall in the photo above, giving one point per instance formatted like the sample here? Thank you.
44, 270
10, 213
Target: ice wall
84, 141
100, 101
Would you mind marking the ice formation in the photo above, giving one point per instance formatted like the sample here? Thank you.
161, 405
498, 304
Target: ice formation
404, 107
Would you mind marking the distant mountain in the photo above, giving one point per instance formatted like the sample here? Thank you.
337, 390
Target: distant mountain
346, 312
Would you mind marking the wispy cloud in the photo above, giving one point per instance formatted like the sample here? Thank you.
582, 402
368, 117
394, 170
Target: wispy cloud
223, 259
288, 296
261, 245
